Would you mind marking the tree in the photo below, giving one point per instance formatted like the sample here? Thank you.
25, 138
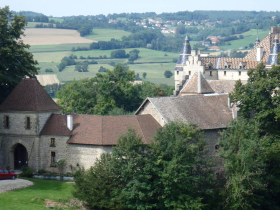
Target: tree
259, 97
15, 60
144, 75
169, 173
168, 74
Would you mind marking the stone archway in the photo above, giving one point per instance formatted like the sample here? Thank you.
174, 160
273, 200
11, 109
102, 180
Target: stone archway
20, 156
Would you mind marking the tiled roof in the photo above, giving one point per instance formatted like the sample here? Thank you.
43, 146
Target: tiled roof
250, 60
197, 84
100, 130
207, 111
223, 86
29, 95
266, 43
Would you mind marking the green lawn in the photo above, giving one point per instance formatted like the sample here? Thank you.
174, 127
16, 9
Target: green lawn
106, 34
32, 198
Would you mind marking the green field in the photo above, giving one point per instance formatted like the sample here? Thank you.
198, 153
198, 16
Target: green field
154, 63
106, 34
56, 19
55, 48
249, 37
34, 197
33, 24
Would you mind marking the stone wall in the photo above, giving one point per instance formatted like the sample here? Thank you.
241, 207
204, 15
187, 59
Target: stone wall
211, 137
149, 108
60, 148
17, 123
208, 75
85, 155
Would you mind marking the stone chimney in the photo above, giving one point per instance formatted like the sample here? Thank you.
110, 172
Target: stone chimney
70, 122
259, 54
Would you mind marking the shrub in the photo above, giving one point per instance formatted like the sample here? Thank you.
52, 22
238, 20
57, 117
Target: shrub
168, 74
26, 172
42, 171
49, 70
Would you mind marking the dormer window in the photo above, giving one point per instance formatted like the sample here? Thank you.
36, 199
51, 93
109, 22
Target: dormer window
6, 122
27, 123
225, 67
240, 67
229, 66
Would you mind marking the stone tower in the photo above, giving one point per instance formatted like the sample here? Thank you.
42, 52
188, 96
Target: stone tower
23, 115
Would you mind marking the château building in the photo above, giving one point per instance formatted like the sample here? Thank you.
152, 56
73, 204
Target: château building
226, 69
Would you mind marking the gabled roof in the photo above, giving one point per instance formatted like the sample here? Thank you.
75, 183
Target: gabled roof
208, 111
197, 84
29, 95
100, 130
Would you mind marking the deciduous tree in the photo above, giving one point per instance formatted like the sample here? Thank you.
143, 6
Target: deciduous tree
15, 60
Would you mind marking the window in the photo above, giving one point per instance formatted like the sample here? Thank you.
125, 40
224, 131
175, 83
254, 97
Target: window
190, 73
177, 72
216, 147
27, 126
210, 73
225, 67
239, 73
229, 66
52, 159
240, 67
225, 73
52, 142
6, 122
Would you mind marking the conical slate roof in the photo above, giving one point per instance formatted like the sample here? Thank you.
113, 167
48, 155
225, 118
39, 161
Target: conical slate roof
275, 49
197, 84
257, 41
29, 95
185, 52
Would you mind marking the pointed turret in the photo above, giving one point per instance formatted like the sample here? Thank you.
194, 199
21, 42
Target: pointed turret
197, 84
275, 49
257, 41
185, 52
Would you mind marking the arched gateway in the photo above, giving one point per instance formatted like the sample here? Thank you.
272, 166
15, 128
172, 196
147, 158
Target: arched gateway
20, 156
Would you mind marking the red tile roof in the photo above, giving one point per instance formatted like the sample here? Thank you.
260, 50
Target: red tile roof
29, 95
100, 130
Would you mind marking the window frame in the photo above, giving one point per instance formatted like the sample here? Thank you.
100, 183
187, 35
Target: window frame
7, 122
52, 142
27, 123
52, 159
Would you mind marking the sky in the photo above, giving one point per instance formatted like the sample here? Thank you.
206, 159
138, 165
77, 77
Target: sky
59, 8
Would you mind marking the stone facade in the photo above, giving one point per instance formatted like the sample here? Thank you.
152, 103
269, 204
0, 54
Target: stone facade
149, 108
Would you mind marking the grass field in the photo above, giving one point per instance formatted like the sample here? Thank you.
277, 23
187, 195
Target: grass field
33, 24
249, 37
106, 34
56, 47
150, 61
56, 19
37, 196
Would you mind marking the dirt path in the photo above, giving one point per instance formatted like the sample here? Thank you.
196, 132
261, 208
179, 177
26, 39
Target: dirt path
9, 184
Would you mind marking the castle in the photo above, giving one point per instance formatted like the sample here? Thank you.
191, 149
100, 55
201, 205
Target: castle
34, 133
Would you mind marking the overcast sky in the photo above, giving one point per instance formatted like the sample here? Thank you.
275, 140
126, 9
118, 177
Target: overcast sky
58, 8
